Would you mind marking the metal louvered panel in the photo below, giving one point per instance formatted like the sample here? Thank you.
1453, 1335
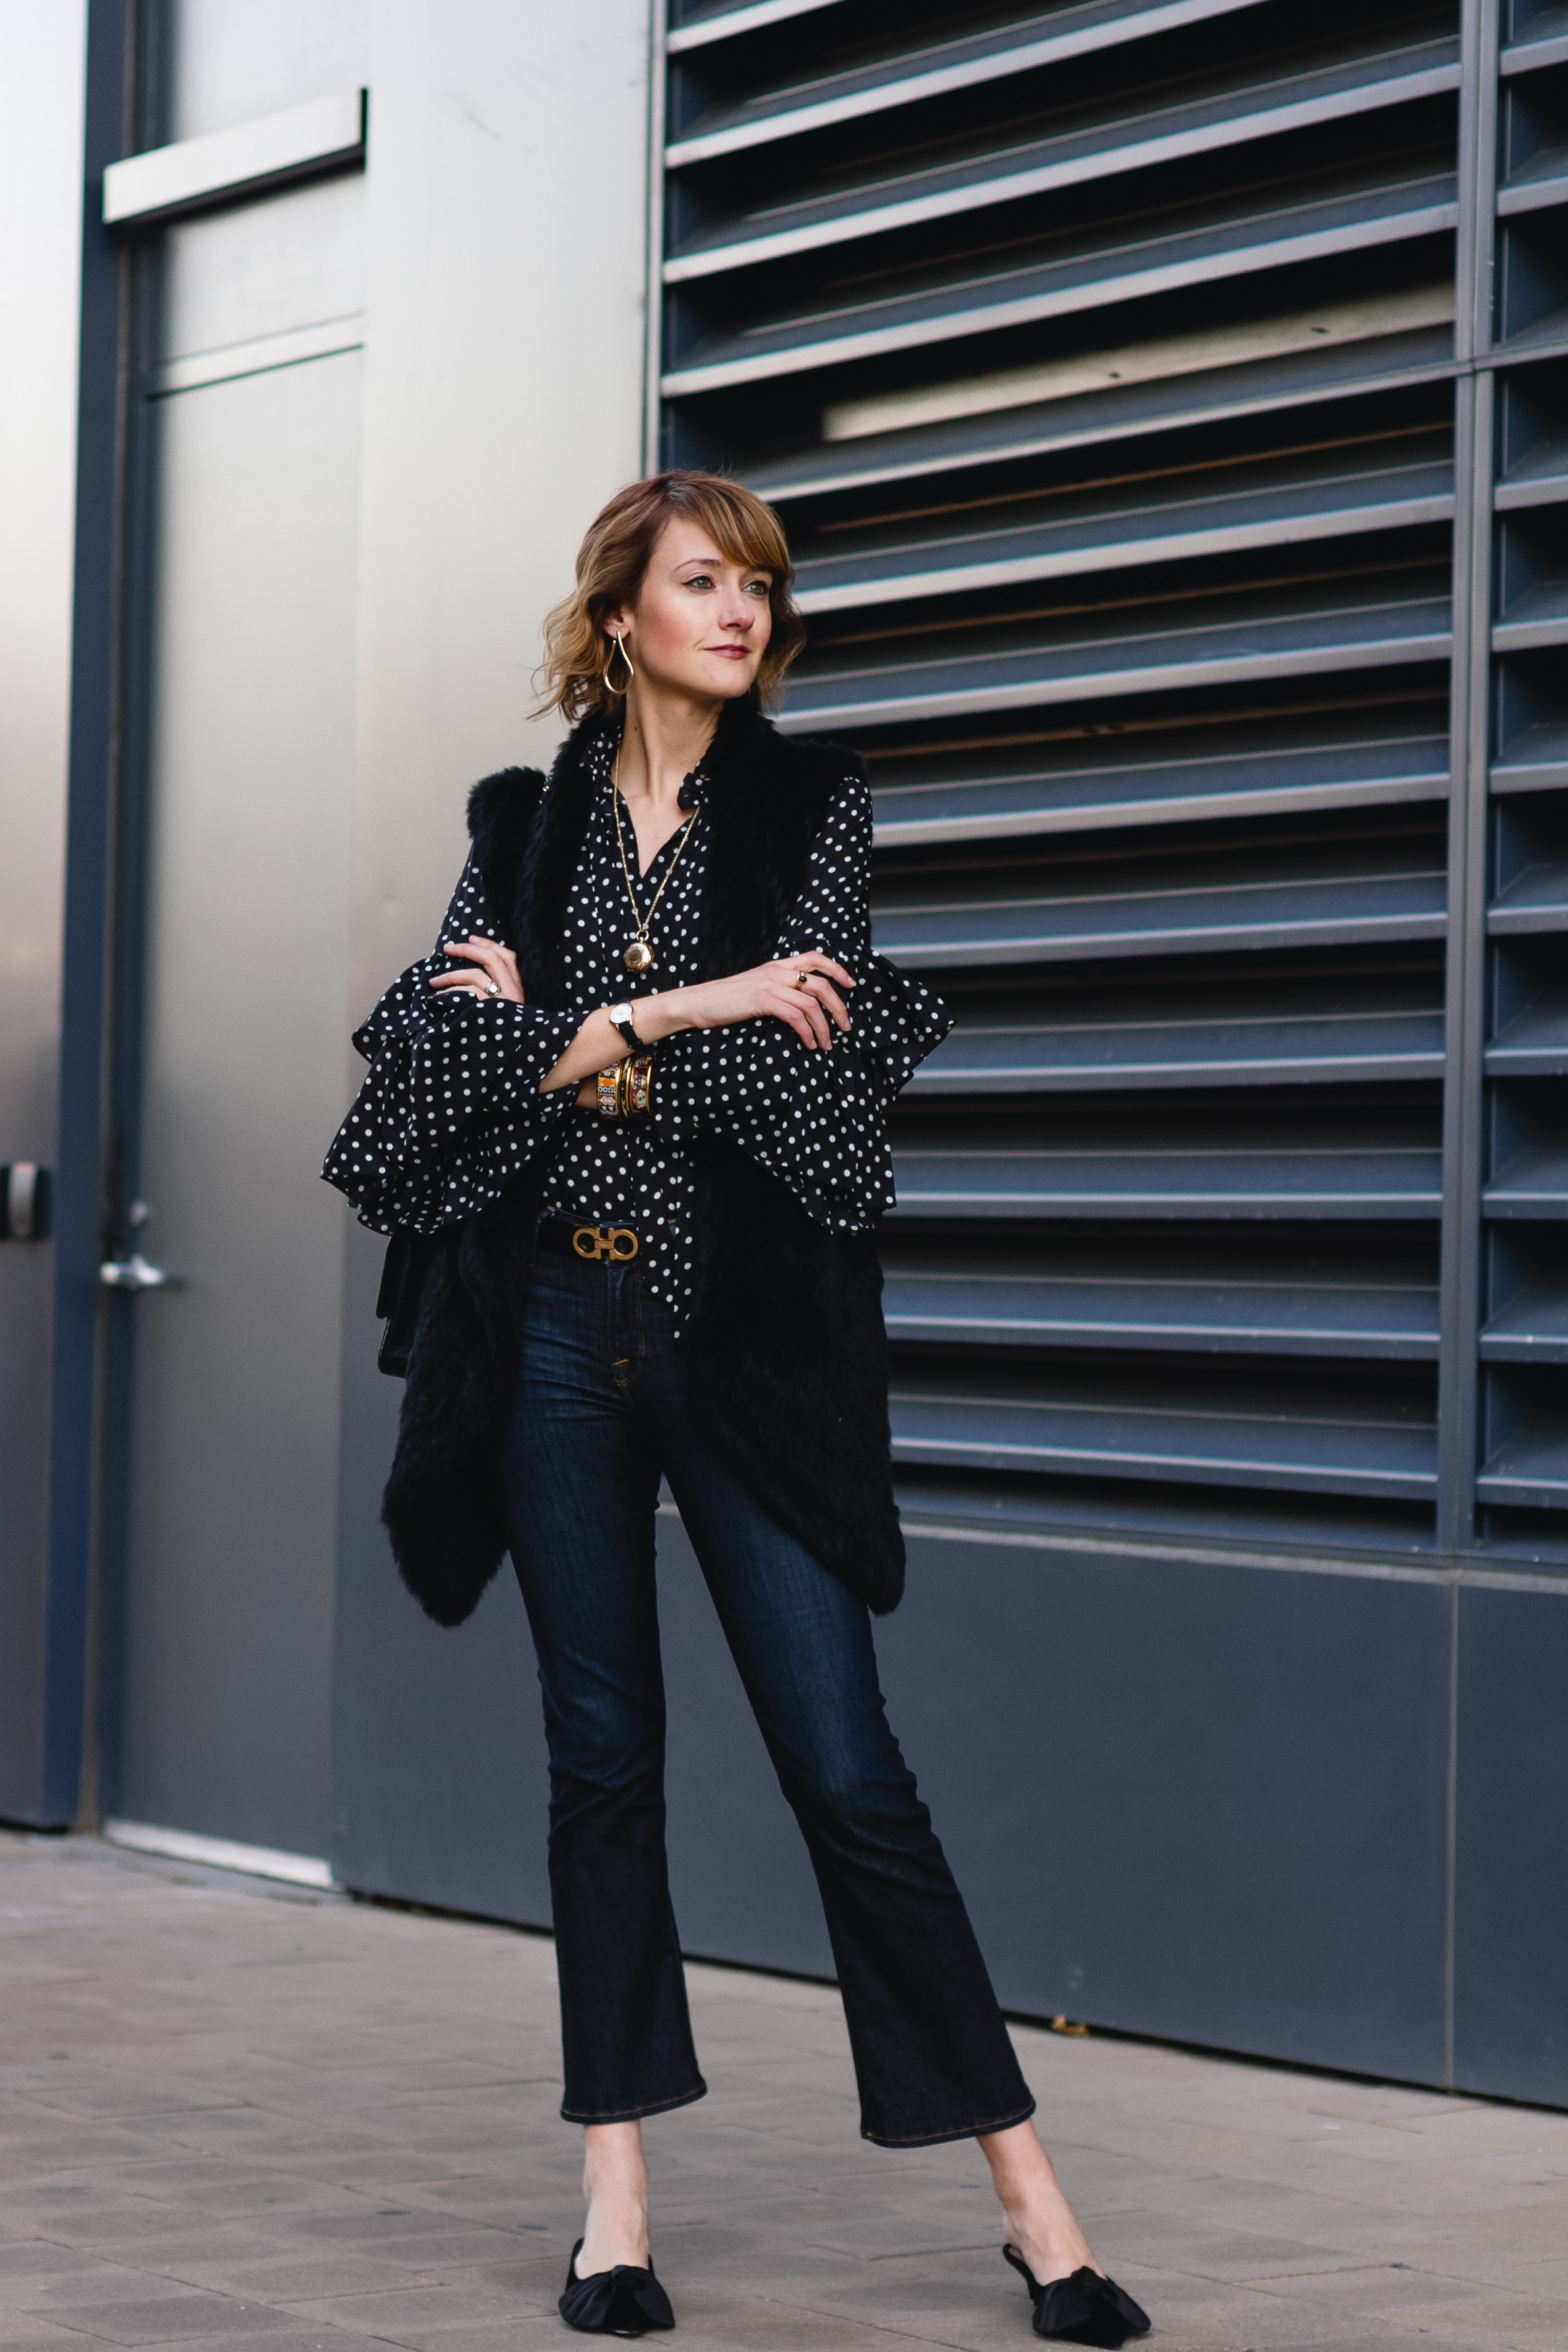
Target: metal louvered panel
1289, 637
1198, 1175
1068, 536
1100, 360
931, 70
1085, 1299
993, 795
989, 175
1080, 275
1075, 1424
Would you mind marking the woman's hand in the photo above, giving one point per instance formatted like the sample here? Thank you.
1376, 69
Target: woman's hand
801, 991
494, 962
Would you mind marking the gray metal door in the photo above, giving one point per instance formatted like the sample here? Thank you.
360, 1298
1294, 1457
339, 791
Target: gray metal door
221, 1602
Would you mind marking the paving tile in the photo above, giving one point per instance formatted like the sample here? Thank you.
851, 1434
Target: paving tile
24, 2332
169, 2319
418, 2314
271, 2339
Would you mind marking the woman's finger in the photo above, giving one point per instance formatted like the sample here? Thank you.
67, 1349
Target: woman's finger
803, 1015
813, 959
827, 996
485, 952
493, 961
823, 1005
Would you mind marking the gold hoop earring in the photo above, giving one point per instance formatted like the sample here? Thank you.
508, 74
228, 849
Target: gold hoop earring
610, 686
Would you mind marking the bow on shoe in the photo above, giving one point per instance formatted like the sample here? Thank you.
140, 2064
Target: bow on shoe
625, 2301
1083, 2309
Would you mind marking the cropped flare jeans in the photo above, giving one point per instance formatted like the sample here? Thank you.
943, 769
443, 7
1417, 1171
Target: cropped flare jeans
601, 1412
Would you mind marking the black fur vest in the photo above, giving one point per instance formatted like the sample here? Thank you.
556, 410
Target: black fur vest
789, 1363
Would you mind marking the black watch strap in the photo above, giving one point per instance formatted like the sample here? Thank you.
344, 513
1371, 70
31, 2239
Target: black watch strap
621, 1021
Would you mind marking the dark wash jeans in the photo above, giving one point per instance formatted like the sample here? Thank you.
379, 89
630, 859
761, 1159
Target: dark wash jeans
601, 1412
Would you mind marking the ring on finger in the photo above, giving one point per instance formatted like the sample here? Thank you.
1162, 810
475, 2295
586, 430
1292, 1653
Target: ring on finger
492, 988
803, 979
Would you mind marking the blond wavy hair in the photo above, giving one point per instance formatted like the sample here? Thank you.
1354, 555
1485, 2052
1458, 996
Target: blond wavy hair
614, 558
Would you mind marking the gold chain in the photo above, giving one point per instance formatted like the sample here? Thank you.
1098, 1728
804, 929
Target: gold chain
638, 917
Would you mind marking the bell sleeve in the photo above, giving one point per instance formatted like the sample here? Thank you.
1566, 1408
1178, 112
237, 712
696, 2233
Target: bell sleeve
450, 1107
816, 1119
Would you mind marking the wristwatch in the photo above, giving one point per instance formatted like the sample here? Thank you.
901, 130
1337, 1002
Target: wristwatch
621, 1021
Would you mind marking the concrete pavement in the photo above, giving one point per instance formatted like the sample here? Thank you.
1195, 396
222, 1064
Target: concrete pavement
233, 2116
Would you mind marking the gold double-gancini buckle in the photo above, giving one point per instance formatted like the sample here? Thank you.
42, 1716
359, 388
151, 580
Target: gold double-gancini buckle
593, 1241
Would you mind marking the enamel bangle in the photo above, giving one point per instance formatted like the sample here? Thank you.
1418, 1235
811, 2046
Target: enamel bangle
639, 1085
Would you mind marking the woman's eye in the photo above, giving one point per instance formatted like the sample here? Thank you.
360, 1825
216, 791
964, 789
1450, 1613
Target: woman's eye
756, 587
700, 580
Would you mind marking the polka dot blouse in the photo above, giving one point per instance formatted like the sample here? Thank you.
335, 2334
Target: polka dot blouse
451, 1107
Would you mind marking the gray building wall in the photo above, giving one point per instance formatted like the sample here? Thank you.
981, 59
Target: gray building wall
42, 59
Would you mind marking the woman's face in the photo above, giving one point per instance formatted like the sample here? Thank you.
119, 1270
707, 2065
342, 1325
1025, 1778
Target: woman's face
701, 624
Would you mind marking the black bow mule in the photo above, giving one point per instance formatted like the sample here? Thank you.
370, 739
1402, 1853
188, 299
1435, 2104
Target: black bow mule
623, 2302
1083, 2309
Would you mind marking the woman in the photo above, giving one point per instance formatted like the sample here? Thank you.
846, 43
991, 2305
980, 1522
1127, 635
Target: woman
628, 1126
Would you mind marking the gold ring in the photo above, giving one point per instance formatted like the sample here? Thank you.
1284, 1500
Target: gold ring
801, 979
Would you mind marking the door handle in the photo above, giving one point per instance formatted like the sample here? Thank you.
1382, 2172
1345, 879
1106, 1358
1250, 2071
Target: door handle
23, 1201
134, 1273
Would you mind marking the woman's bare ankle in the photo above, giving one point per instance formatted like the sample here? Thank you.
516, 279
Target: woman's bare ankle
1040, 2224
615, 2188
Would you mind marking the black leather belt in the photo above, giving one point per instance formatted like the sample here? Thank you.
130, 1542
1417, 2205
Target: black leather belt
559, 1235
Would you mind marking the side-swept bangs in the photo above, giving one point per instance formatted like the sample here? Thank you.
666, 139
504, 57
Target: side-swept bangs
611, 564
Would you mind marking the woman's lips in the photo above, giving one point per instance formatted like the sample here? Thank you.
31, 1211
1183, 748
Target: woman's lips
733, 652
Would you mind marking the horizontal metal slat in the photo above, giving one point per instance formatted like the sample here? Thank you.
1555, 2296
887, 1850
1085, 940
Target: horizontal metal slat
1396, 1321
1532, 1328
1072, 536
1536, 900
1082, 1057
1535, 762
1547, 337
1148, 1182
1538, 618
1534, 1045
1530, 1473
727, 20
1113, 142
1049, 928
934, 69
1543, 42
1534, 1183
1213, 245
1539, 479
1025, 796
1543, 182
996, 434
1108, 1436
926, 682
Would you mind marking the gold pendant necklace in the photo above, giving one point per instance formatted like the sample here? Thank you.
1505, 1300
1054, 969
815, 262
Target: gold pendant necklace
637, 955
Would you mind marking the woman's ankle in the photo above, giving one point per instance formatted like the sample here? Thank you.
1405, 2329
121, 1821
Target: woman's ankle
615, 2190
1040, 2222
